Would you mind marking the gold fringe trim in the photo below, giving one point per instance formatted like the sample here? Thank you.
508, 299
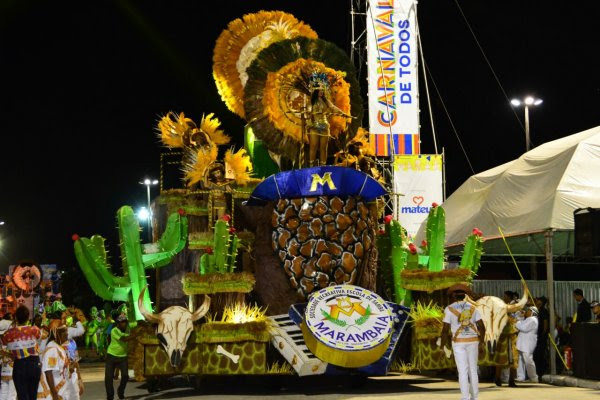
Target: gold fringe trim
236, 282
428, 281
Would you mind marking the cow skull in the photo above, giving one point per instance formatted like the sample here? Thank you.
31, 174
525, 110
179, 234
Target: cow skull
175, 324
494, 314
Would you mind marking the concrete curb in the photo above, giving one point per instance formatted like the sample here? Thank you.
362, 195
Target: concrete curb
562, 380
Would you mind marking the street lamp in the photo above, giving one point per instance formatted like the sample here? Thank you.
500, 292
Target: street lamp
149, 182
143, 214
526, 102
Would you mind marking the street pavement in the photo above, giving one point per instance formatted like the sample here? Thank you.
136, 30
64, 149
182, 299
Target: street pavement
291, 388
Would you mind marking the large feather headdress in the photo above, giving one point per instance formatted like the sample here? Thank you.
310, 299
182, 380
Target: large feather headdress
239, 44
279, 80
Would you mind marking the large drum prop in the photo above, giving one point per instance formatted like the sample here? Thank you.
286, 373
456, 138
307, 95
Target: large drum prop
347, 326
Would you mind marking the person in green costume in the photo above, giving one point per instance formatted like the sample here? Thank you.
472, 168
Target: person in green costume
91, 339
105, 321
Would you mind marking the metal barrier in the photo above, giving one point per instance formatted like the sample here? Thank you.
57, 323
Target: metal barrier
565, 304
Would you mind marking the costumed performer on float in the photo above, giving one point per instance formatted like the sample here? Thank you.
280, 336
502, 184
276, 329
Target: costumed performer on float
321, 108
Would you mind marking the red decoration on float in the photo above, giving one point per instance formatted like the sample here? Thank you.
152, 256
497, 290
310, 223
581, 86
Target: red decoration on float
412, 248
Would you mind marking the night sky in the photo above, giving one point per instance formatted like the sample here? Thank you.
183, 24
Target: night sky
83, 84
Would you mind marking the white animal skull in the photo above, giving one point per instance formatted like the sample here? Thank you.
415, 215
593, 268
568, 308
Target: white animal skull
175, 324
494, 314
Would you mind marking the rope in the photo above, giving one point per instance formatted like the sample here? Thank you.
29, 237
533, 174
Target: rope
488, 62
528, 292
449, 119
420, 47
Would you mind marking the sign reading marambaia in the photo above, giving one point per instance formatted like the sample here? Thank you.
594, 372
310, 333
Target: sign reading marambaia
347, 325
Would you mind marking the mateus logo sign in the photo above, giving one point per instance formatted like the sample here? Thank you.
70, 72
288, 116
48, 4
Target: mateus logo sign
416, 209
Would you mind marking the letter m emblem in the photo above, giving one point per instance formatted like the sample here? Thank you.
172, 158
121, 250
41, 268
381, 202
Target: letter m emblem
325, 180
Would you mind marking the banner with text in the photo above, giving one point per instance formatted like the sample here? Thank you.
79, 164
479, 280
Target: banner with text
393, 84
419, 179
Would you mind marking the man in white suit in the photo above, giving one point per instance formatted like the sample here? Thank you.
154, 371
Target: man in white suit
464, 321
526, 341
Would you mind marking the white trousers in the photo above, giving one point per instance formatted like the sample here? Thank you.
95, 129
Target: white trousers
8, 391
521, 368
529, 366
466, 356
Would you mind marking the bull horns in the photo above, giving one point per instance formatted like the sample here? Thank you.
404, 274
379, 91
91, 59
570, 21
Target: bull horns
511, 308
202, 310
150, 317
155, 318
470, 301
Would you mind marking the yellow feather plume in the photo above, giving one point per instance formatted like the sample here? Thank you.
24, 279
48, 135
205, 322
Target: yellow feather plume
197, 162
240, 165
286, 116
210, 125
173, 128
362, 137
239, 44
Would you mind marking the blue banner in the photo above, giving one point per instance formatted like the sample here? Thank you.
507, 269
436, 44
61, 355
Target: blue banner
316, 181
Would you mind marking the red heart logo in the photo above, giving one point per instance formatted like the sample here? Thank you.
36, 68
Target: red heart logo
418, 200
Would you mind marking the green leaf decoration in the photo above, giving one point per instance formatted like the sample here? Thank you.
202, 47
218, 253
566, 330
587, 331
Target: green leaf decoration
365, 317
336, 321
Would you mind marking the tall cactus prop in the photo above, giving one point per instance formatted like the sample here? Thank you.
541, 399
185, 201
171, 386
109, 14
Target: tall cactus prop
472, 252
436, 235
91, 256
402, 265
224, 251
394, 255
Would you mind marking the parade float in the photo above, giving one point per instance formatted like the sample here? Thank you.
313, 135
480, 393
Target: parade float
276, 257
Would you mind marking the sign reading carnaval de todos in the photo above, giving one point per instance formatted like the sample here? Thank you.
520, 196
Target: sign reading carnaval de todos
393, 81
347, 325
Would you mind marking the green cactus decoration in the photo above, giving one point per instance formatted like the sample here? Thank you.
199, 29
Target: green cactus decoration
224, 251
394, 256
403, 266
472, 251
91, 256
436, 235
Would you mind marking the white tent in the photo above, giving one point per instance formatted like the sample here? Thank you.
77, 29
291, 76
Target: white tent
538, 191
533, 196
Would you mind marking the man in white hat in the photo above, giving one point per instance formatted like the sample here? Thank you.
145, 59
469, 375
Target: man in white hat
464, 321
527, 339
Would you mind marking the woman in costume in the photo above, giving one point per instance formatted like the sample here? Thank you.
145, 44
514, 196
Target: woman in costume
321, 108
54, 381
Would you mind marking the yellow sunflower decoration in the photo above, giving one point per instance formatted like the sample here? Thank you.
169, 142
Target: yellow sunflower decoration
284, 104
240, 43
